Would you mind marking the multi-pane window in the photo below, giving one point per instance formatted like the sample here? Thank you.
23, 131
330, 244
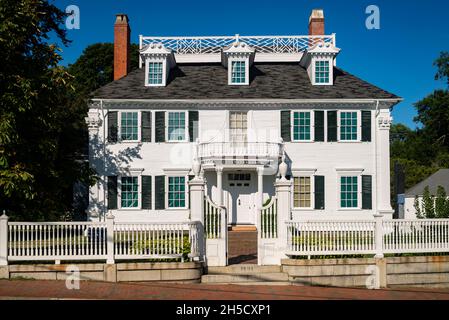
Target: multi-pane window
322, 71
130, 192
349, 192
176, 192
301, 126
238, 126
238, 72
348, 126
302, 192
176, 126
129, 126
155, 72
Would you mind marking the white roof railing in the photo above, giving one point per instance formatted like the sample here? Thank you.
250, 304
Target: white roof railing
208, 49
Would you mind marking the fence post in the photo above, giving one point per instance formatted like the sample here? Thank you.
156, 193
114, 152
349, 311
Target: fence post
4, 240
379, 239
110, 238
197, 186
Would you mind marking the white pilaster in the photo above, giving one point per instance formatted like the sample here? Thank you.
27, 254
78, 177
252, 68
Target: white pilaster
383, 123
110, 238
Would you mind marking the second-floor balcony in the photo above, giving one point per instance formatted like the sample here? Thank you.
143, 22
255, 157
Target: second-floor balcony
240, 152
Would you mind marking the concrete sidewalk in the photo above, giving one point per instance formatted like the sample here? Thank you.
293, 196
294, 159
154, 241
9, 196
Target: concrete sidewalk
37, 289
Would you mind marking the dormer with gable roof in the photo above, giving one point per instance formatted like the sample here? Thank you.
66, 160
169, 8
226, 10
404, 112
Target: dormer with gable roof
238, 58
158, 61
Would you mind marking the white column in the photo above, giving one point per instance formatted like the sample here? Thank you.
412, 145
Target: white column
197, 187
3, 240
260, 172
94, 122
220, 185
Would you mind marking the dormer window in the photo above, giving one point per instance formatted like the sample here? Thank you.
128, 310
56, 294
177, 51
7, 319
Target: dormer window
322, 72
158, 62
155, 73
238, 72
238, 57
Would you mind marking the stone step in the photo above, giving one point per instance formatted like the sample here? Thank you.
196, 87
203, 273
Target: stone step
243, 269
244, 278
258, 283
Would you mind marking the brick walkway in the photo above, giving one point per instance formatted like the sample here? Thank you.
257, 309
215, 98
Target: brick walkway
139, 291
242, 247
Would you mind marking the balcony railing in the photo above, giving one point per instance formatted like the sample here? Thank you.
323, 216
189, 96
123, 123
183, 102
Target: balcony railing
239, 151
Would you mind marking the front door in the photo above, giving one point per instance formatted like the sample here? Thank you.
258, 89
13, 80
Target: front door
241, 198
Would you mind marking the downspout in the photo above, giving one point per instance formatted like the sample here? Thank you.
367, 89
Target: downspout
375, 154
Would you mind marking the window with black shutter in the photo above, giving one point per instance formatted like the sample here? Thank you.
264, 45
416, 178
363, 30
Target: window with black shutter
160, 126
112, 192
159, 192
146, 192
366, 126
319, 193
332, 126
319, 126
112, 126
193, 125
367, 191
146, 126
286, 125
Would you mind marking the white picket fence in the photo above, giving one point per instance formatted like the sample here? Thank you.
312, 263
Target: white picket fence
76, 241
377, 237
214, 219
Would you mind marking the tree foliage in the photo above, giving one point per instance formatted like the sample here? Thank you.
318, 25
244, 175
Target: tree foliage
425, 150
40, 156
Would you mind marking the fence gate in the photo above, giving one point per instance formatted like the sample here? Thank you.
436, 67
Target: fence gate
216, 234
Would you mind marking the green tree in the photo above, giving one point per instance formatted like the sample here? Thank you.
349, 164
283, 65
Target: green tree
38, 163
417, 205
428, 207
441, 203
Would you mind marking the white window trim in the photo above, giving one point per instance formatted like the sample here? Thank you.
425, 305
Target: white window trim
139, 126
312, 126
119, 191
349, 172
359, 126
164, 72
246, 60
331, 71
306, 174
186, 190
186, 127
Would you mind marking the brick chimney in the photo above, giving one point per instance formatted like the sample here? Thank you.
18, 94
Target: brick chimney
316, 23
122, 33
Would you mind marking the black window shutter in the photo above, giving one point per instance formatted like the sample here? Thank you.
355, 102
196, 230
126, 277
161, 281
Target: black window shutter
146, 192
112, 192
366, 126
319, 126
159, 192
319, 193
286, 125
193, 124
332, 126
146, 126
112, 126
160, 126
367, 192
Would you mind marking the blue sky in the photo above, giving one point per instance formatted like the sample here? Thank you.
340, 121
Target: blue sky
398, 57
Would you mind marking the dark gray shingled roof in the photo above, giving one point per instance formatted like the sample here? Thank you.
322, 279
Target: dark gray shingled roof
268, 81
439, 178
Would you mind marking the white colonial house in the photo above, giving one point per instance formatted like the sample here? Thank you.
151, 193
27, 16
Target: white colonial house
259, 127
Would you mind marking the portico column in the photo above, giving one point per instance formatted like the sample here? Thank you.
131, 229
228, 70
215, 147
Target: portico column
220, 185
260, 172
